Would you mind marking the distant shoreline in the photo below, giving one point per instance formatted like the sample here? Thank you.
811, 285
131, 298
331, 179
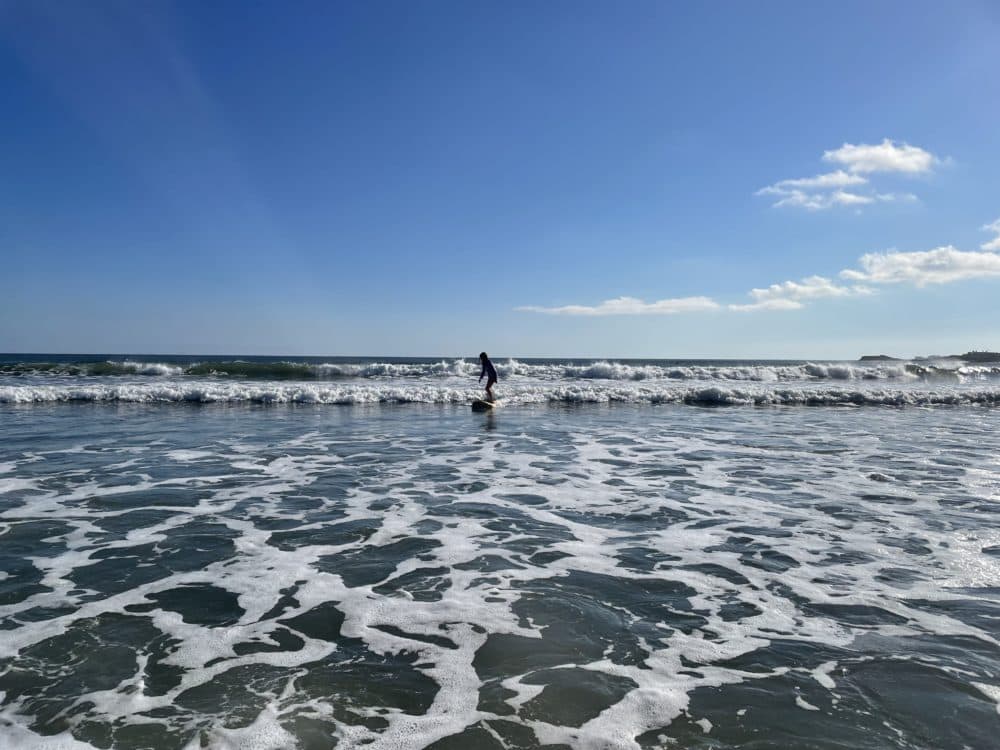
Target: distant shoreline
973, 356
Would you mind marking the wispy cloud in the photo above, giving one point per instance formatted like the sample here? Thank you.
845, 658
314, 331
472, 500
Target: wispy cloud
631, 306
815, 201
942, 265
820, 201
838, 179
887, 156
768, 304
827, 190
790, 295
993, 244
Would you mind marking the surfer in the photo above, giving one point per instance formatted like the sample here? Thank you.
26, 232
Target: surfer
488, 369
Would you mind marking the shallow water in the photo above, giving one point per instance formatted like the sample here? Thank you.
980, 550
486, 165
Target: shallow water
408, 576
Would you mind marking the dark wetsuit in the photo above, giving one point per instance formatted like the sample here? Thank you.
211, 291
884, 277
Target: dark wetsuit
489, 369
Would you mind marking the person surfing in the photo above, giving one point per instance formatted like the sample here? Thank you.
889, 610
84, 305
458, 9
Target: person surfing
488, 369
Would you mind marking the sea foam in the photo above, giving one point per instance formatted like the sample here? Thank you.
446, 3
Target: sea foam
747, 394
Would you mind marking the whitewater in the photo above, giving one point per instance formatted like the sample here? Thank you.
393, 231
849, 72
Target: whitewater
24, 380
211, 553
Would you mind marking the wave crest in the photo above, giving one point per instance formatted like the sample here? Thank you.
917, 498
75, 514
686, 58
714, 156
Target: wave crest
511, 370
713, 395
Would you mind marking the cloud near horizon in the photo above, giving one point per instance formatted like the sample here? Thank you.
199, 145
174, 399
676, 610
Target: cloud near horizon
827, 190
994, 244
789, 295
942, 265
630, 306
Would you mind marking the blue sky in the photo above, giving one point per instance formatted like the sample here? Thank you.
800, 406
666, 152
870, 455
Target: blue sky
561, 178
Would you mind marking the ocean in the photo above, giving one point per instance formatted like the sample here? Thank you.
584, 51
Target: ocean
253, 552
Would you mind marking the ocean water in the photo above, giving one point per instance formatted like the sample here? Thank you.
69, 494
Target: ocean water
138, 379
339, 553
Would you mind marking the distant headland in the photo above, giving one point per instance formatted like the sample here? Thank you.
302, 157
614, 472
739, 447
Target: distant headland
979, 357
973, 356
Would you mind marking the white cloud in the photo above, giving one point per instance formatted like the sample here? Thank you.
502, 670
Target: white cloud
993, 244
827, 190
887, 156
844, 198
821, 201
802, 192
768, 304
886, 197
796, 198
942, 265
631, 306
838, 179
810, 287
789, 295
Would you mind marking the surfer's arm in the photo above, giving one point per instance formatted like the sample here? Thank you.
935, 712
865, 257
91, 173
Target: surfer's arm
483, 373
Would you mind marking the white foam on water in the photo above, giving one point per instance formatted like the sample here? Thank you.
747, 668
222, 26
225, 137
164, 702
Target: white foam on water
990, 691
265, 733
16, 736
822, 674
149, 368
967, 563
804, 704
624, 384
16, 484
777, 495
188, 455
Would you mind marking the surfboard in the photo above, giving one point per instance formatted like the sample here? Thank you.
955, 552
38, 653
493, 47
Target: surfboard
481, 405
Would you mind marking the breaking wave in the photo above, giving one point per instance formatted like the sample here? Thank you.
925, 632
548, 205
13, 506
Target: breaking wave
543, 370
592, 393
237, 369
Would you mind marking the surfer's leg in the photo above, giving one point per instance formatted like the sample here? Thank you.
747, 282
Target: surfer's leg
489, 389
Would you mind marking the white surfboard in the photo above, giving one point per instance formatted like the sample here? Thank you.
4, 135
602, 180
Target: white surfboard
483, 405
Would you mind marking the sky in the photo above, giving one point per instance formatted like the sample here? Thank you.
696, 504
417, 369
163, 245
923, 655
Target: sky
642, 179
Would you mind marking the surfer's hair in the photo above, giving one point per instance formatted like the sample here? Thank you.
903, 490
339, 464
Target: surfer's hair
482, 355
